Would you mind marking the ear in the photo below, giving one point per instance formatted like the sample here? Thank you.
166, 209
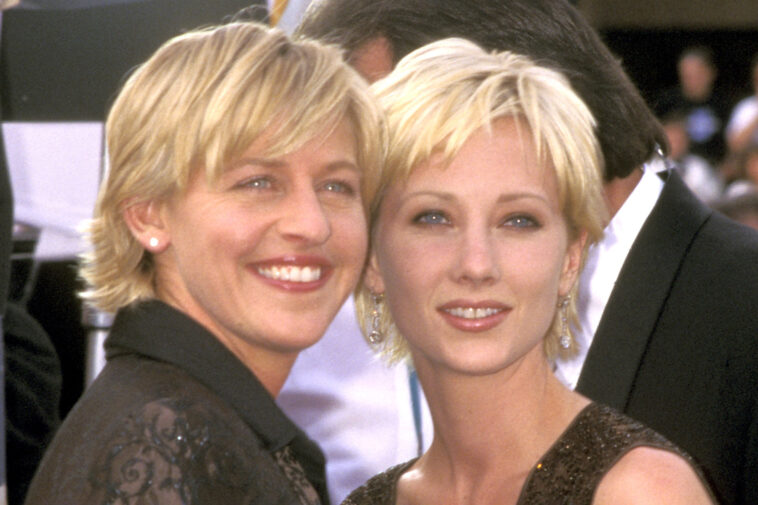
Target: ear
373, 58
372, 277
145, 221
571, 264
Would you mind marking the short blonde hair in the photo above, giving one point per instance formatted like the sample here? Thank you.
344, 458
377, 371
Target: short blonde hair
198, 103
440, 94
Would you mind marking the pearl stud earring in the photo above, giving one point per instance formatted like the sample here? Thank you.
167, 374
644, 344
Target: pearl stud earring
153, 242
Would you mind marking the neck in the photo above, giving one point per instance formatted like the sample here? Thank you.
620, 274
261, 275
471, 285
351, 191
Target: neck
618, 190
490, 430
271, 368
270, 365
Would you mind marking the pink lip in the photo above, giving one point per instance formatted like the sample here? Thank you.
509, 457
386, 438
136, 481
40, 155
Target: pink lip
474, 325
295, 260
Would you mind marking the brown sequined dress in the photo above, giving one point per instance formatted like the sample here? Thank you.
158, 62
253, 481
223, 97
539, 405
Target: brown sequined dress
568, 473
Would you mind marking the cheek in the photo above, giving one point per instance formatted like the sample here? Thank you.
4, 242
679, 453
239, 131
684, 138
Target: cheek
538, 270
350, 237
410, 282
412, 269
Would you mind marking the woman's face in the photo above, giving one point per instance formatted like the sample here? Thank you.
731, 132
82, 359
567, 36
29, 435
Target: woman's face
474, 257
265, 257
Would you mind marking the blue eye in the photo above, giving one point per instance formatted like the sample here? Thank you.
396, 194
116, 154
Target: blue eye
339, 187
262, 182
431, 217
521, 221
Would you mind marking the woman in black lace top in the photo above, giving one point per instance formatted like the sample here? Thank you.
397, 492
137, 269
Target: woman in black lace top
229, 230
489, 198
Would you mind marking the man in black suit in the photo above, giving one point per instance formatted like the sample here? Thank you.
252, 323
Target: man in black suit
672, 308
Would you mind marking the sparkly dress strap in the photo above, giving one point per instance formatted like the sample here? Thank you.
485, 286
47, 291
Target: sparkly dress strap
571, 470
381, 489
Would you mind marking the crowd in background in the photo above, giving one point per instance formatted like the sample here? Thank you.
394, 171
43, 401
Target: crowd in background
712, 135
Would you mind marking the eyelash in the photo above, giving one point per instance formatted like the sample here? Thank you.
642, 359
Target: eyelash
437, 217
255, 182
532, 222
337, 187
346, 188
420, 218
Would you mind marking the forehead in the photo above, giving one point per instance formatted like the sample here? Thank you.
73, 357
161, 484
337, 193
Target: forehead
331, 141
333, 135
694, 63
502, 156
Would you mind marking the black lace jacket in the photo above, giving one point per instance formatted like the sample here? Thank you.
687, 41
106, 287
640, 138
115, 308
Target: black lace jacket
568, 473
174, 418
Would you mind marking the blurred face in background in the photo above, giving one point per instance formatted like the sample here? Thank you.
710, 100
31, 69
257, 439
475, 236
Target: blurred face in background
679, 141
696, 77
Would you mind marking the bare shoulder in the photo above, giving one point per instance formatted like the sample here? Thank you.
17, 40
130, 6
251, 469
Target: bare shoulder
648, 476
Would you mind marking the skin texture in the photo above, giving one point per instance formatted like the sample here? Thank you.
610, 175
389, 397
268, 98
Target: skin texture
216, 243
740, 139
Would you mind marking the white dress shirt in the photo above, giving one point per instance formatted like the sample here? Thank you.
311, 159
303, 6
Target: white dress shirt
604, 262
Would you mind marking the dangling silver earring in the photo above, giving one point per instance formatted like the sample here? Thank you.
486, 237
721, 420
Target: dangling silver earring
565, 339
376, 336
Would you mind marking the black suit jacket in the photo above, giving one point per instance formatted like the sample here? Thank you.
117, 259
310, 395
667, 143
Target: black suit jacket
677, 345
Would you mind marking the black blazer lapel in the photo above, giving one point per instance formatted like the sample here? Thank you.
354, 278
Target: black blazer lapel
640, 294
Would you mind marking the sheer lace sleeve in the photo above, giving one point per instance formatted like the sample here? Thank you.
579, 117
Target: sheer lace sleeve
178, 453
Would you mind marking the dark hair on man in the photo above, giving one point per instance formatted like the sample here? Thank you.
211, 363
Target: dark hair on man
551, 32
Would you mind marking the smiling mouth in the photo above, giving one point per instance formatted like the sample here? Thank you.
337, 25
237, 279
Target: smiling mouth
291, 273
471, 312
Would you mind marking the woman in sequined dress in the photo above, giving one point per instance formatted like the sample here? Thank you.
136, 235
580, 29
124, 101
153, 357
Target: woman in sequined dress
228, 231
489, 198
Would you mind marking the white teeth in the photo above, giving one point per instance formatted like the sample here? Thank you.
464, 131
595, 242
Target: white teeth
292, 273
471, 312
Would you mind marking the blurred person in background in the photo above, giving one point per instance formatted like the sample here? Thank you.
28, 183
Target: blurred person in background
742, 129
699, 175
698, 97
745, 174
743, 208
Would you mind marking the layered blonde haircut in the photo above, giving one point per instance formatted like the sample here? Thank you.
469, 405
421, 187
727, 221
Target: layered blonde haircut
440, 94
197, 104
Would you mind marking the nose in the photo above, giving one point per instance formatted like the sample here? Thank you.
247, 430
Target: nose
304, 218
477, 262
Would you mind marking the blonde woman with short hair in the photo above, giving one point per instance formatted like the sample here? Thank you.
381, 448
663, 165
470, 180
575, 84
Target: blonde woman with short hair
228, 231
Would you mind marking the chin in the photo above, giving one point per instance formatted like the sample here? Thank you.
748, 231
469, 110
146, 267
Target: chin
467, 363
303, 336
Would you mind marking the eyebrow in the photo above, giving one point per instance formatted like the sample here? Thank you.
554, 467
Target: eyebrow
275, 163
450, 197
